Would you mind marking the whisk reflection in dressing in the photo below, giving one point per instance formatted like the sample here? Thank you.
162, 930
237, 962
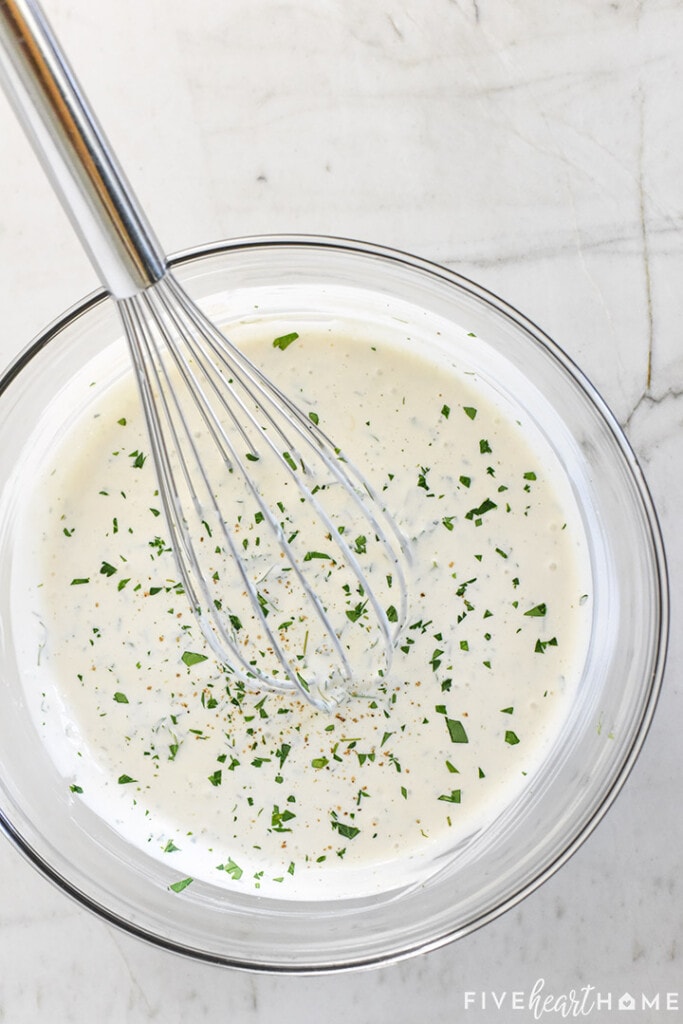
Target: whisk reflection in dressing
290, 562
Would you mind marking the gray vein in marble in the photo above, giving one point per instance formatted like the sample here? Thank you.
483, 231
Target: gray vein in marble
613, 239
647, 400
133, 973
644, 233
395, 26
474, 7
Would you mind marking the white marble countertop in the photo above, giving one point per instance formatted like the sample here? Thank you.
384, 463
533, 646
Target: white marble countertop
533, 146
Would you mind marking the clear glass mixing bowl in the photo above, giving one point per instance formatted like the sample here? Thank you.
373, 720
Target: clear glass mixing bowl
583, 771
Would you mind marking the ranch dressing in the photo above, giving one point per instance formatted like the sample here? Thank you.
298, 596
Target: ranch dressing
259, 791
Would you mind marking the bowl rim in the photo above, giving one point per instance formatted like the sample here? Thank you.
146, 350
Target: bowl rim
434, 270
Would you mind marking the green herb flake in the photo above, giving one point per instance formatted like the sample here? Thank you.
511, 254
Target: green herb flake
120, 698
470, 411
310, 555
278, 819
452, 798
282, 752
348, 831
435, 659
190, 658
182, 884
123, 780
82, 579
476, 513
456, 731
354, 614
231, 868
537, 612
511, 737
285, 340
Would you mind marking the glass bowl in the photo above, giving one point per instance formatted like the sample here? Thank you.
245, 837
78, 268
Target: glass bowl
582, 773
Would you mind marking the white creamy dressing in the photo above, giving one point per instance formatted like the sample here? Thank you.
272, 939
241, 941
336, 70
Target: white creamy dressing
260, 791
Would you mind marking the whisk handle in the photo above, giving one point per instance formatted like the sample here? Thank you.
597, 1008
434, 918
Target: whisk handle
75, 153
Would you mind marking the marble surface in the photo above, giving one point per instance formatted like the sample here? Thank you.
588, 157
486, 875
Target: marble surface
533, 146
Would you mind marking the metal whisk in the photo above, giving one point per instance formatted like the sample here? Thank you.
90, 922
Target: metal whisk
290, 563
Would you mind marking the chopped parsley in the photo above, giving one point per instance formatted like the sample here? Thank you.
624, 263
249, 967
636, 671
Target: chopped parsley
180, 885
285, 340
456, 731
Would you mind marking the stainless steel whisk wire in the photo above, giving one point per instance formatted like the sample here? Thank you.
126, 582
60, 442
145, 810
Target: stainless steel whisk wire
238, 368
177, 351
